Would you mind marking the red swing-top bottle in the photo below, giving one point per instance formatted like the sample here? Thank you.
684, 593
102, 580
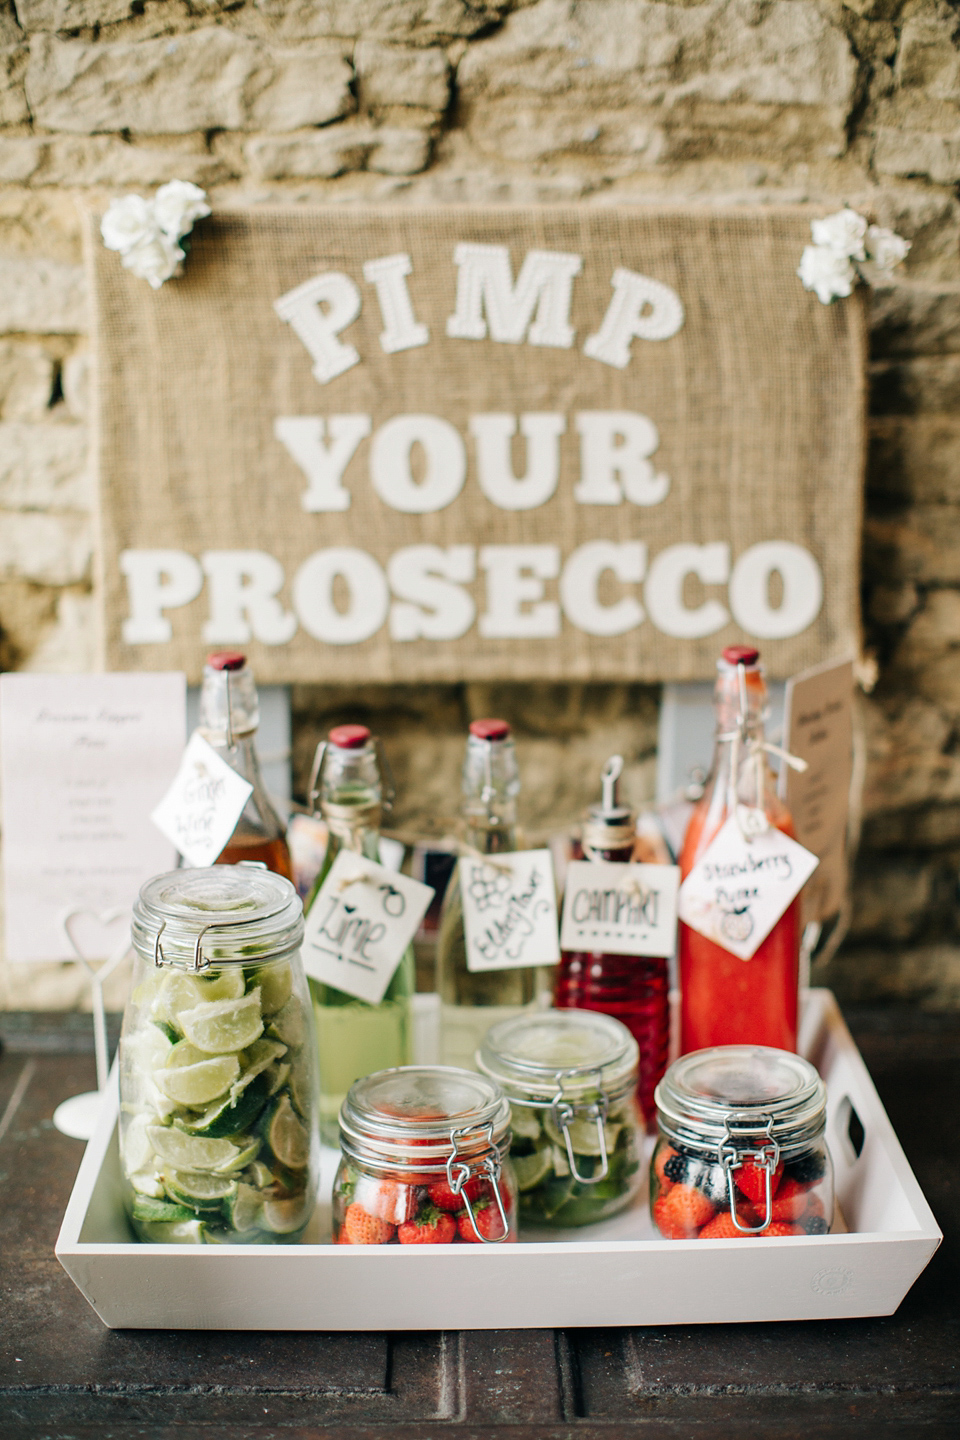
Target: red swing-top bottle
634, 989
726, 1000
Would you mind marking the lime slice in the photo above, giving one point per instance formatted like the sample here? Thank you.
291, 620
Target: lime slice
584, 1136
198, 1189
276, 985
178, 991
287, 1024
248, 1153
260, 1175
198, 1084
524, 1122
276, 1077
234, 1112
286, 1135
189, 1152
163, 1212
145, 1049
255, 1059
185, 1232
183, 1054
285, 1216
149, 988
229, 984
221, 1026
243, 1208
531, 1169
136, 1146
300, 1089
147, 1182
559, 1162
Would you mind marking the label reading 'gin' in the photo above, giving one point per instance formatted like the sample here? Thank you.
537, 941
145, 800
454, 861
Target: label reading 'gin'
620, 909
509, 910
739, 888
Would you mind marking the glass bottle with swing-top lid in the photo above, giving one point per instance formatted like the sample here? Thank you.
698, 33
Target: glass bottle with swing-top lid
218, 1076
424, 1160
741, 1150
571, 1079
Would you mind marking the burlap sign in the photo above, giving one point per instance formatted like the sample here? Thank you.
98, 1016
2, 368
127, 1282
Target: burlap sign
410, 444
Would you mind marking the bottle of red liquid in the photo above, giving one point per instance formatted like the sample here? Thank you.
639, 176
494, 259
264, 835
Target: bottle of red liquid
726, 1000
634, 989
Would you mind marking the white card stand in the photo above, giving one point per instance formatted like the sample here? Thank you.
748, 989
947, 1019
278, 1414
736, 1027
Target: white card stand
77, 1117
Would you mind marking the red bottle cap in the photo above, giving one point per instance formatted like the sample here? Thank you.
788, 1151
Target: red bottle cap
349, 737
489, 729
226, 660
741, 655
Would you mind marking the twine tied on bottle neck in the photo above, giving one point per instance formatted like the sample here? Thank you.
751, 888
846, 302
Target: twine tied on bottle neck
748, 818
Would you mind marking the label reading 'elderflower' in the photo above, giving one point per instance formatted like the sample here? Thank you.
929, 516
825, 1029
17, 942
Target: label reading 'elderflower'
509, 910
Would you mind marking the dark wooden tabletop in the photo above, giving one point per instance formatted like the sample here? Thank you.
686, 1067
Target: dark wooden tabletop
63, 1376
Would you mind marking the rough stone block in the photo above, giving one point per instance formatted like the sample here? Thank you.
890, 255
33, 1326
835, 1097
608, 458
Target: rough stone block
105, 160
44, 467
13, 100
71, 14
21, 157
26, 381
75, 379
915, 319
890, 898
392, 75
930, 826
907, 760
68, 646
893, 604
921, 544
47, 549
26, 612
913, 152
419, 22
925, 975
323, 154
208, 79
42, 296
922, 385
929, 54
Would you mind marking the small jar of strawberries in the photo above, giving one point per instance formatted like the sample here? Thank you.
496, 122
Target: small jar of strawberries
741, 1152
424, 1160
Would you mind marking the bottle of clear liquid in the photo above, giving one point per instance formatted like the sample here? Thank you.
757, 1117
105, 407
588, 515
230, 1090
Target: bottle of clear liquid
473, 1001
725, 1000
634, 989
229, 716
354, 1038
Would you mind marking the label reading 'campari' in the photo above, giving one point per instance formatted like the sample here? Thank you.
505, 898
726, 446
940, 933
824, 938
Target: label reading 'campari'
740, 887
620, 909
509, 910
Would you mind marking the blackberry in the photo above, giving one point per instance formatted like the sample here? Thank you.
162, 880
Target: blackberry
711, 1180
682, 1169
806, 1168
816, 1225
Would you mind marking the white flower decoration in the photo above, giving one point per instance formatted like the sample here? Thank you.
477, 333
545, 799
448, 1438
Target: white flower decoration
128, 222
843, 232
827, 272
178, 205
147, 232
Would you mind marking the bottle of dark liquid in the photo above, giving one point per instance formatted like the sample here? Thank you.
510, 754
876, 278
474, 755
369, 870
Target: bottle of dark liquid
634, 989
229, 716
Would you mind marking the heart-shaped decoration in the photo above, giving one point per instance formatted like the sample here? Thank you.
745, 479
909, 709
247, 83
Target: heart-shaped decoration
98, 936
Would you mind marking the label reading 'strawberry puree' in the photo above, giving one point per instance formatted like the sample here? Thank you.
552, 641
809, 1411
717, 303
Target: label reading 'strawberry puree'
509, 910
739, 888
620, 909
360, 924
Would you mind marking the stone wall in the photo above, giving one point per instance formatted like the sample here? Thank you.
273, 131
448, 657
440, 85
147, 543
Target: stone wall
728, 101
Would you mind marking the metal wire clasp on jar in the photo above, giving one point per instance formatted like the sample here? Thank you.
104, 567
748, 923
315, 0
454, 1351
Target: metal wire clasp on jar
424, 1160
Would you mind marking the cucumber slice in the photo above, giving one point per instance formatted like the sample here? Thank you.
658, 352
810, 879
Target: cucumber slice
285, 1133
191, 1152
199, 1190
276, 985
164, 1212
220, 1026
242, 1209
198, 1084
183, 1232
233, 1113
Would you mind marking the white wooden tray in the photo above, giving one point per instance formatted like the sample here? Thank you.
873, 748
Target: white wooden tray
615, 1273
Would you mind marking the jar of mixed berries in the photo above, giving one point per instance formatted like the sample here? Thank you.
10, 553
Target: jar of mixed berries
424, 1160
571, 1079
741, 1151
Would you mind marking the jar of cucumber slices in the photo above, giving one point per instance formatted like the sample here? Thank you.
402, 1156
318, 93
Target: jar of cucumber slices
218, 1076
571, 1078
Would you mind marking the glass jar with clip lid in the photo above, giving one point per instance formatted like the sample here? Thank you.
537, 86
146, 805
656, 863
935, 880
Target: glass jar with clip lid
424, 1160
218, 1075
741, 1151
571, 1079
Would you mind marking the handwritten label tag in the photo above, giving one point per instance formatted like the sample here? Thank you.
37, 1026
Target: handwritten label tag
200, 811
361, 922
620, 909
509, 910
738, 889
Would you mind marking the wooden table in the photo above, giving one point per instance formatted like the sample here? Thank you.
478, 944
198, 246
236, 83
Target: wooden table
63, 1376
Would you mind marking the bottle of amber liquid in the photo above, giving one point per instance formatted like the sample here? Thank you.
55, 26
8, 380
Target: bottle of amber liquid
472, 1001
354, 1037
726, 1000
229, 716
634, 989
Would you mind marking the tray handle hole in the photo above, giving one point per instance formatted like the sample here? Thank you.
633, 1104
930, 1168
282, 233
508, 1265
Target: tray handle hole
850, 1129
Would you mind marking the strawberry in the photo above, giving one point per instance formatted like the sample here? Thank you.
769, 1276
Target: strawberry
363, 1229
780, 1227
752, 1181
721, 1227
664, 1154
680, 1213
488, 1221
443, 1197
387, 1199
431, 1227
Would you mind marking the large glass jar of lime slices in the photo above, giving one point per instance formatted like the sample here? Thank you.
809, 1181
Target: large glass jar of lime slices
218, 1076
570, 1077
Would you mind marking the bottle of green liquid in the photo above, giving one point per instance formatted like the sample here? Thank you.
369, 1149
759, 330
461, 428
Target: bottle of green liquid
354, 1037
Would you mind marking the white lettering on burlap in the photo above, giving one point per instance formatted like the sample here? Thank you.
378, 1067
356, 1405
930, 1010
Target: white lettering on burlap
243, 587
515, 576
493, 434
750, 589
366, 584
323, 460
401, 330
318, 329
615, 446
642, 309
485, 287
663, 591
431, 603
157, 580
580, 580
391, 469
